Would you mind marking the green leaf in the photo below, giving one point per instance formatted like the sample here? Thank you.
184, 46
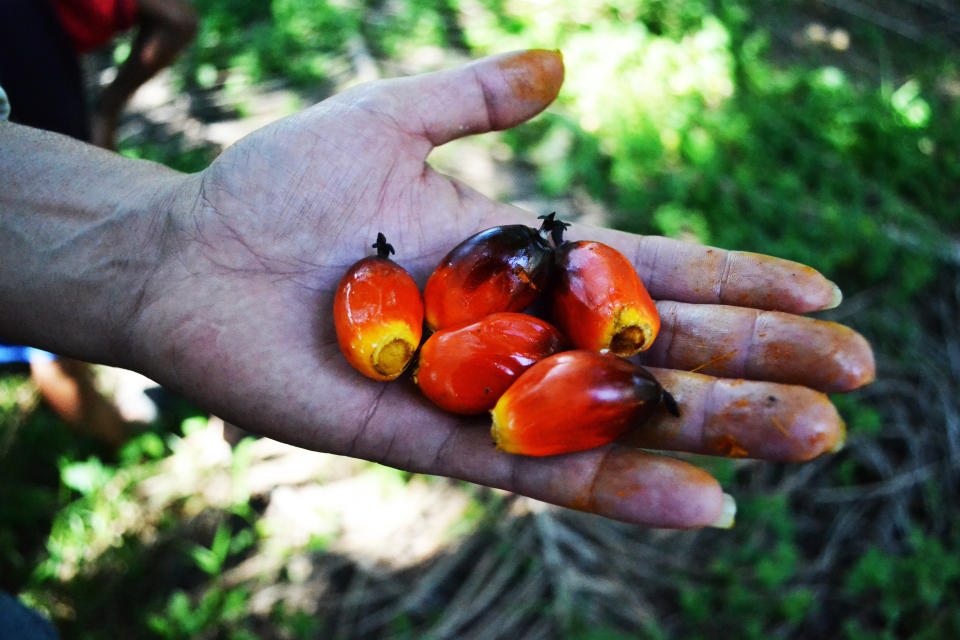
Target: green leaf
206, 560
85, 477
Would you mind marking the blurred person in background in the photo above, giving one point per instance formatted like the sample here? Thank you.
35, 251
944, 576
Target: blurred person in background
41, 44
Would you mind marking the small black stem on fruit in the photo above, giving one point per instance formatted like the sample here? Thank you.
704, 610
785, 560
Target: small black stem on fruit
553, 227
548, 220
671, 403
557, 233
384, 249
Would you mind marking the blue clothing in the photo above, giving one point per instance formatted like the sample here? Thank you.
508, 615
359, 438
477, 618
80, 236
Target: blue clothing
15, 353
17, 622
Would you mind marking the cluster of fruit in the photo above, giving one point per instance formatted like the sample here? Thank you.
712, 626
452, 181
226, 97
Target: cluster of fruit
551, 388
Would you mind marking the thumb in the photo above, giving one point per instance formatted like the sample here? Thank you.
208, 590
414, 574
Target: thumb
490, 94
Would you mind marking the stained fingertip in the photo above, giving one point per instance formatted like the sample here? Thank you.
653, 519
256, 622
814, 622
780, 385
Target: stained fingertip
655, 491
823, 355
534, 75
728, 514
855, 360
738, 418
794, 288
490, 94
836, 297
734, 342
814, 430
841, 439
529, 81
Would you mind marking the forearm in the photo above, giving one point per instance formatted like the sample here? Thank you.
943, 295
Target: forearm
81, 231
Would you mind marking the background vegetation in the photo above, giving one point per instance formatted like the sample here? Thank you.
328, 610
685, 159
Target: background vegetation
822, 131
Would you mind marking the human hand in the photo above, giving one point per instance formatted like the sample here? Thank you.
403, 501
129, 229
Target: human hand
238, 317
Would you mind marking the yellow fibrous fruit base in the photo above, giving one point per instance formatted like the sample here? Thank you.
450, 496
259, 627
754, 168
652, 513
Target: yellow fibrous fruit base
629, 333
383, 352
502, 426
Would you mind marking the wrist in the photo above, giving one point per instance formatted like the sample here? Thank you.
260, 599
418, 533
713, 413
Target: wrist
149, 230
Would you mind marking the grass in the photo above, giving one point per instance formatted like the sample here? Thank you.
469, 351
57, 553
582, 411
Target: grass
793, 129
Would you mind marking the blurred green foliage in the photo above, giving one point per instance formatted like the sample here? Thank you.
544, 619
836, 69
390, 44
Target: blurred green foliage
249, 41
910, 595
184, 158
217, 613
753, 590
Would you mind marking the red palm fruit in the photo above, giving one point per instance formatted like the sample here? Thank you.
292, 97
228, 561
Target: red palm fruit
466, 368
573, 401
500, 269
378, 315
599, 301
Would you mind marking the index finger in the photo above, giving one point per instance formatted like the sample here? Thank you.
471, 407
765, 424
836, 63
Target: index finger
688, 272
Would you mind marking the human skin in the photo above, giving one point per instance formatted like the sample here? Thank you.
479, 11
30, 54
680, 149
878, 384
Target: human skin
220, 284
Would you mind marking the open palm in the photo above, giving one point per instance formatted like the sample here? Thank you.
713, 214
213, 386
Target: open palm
238, 315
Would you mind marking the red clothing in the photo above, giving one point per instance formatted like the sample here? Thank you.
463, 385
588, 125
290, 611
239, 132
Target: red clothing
93, 23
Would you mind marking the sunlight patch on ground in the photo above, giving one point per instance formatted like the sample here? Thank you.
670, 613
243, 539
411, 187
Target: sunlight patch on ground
374, 514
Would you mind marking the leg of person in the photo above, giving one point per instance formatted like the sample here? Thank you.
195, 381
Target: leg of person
68, 388
40, 71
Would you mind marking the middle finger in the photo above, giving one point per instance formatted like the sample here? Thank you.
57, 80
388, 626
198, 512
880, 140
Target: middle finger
737, 342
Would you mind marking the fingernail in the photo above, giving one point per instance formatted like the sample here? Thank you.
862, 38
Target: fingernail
727, 514
841, 439
835, 299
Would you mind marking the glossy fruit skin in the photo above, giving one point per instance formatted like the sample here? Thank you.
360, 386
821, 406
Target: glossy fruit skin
465, 369
378, 316
499, 269
599, 301
573, 401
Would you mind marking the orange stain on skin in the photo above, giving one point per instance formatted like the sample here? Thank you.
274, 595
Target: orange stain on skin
817, 439
534, 75
582, 502
714, 361
727, 445
780, 351
782, 429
